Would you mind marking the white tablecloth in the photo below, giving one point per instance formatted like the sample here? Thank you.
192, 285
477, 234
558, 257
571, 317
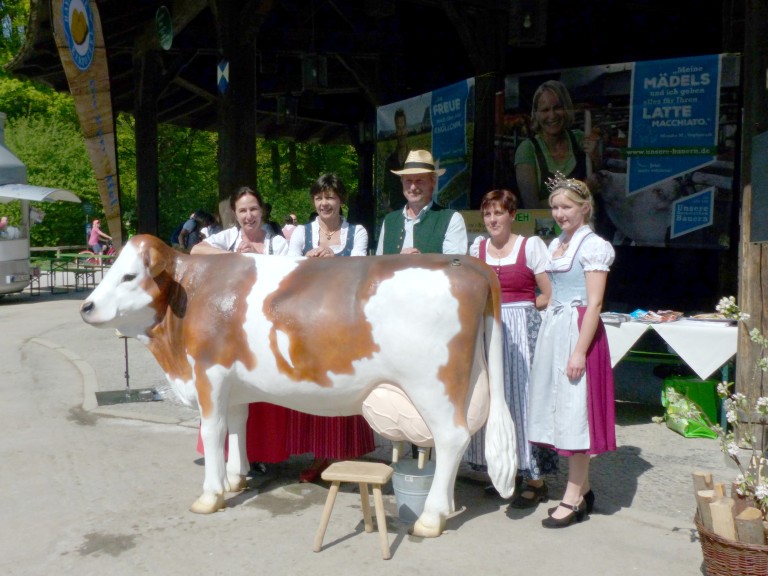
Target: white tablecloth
703, 346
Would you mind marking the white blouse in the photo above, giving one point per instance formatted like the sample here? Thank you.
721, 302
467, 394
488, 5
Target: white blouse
225, 239
596, 254
536, 255
359, 242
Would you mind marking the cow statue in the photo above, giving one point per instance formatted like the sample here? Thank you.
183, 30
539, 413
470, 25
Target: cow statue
316, 335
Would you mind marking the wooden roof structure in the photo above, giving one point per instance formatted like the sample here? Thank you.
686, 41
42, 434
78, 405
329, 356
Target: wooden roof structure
322, 66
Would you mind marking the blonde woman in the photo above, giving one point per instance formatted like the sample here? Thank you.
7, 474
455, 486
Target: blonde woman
571, 401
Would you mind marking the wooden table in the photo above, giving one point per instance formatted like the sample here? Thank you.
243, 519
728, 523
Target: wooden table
84, 267
53, 267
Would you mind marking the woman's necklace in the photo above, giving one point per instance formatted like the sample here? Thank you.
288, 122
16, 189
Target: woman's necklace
499, 253
563, 248
328, 233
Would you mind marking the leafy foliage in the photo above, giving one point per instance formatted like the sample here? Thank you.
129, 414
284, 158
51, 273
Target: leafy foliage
43, 131
14, 15
55, 155
187, 179
286, 170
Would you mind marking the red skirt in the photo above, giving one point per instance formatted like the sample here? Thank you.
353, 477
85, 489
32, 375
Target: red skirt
265, 433
334, 437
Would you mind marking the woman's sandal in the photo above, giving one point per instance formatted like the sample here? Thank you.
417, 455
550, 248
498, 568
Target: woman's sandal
540, 494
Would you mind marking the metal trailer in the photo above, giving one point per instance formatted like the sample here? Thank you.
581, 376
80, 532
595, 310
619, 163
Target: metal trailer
14, 239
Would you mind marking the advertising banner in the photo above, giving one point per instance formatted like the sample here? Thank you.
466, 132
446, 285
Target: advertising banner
655, 141
527, 223
80, 43
440, 121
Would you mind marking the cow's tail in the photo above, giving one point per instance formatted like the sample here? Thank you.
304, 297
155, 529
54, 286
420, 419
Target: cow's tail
500, 442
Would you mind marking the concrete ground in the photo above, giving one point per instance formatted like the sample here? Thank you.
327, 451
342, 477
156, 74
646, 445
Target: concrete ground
106, 490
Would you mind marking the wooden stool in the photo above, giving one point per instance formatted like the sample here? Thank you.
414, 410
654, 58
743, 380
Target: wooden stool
363, 473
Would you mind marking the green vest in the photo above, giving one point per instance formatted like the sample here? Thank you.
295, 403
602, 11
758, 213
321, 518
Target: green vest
428, 233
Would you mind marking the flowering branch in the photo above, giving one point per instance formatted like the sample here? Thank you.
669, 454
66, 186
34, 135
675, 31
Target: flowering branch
752, 479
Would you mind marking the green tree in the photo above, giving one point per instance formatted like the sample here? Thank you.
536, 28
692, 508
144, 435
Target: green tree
187, 178
23, 98
55, 156
14, 15
286, 170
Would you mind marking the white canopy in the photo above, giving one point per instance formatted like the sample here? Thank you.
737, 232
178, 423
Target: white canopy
10, 192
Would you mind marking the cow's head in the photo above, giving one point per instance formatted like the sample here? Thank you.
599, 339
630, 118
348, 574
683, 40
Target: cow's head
128, 297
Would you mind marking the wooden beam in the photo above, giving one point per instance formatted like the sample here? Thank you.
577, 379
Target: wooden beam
753, 269
357, 73
459, 18
174, 113
145, 112
194, 88
482, 33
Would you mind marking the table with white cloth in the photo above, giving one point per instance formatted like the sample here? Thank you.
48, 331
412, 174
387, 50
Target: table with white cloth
704, 346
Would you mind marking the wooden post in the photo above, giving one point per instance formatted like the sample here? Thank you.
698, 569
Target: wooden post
146, 83
702, 481
741, 502
719, 489
753, 257
703, 499
749, 526
722, 518
237, 25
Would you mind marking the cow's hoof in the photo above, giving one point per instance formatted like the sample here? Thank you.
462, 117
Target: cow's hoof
236, 483
424, 531
208, 504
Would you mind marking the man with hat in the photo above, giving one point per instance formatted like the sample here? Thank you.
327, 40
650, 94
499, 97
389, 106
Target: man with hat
421, 226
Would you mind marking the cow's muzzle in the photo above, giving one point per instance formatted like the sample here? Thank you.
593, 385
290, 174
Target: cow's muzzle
86, 308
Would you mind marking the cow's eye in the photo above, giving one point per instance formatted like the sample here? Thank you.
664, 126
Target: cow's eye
129, 277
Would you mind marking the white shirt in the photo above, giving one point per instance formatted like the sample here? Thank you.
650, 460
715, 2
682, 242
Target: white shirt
455, 241
226, 239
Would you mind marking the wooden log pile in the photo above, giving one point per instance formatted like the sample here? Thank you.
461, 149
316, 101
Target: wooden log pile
733, 516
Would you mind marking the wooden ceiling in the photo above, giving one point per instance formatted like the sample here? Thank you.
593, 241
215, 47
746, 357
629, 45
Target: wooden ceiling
367, 52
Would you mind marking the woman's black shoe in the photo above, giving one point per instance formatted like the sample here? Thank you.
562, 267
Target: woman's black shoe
577, 514
491, 491
539, 494
589, 501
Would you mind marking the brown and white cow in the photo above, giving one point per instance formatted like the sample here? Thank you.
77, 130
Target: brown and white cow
316, 335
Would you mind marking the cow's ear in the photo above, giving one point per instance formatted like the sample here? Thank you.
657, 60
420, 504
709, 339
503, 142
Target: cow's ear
154, 260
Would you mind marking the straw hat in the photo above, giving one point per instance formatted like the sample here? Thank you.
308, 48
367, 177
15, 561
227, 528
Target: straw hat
419, 162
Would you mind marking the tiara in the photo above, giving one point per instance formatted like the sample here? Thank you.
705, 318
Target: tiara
560, 181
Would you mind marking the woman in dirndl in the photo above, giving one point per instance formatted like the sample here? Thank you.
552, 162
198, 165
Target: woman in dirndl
520, 263
328, 236
571, 399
